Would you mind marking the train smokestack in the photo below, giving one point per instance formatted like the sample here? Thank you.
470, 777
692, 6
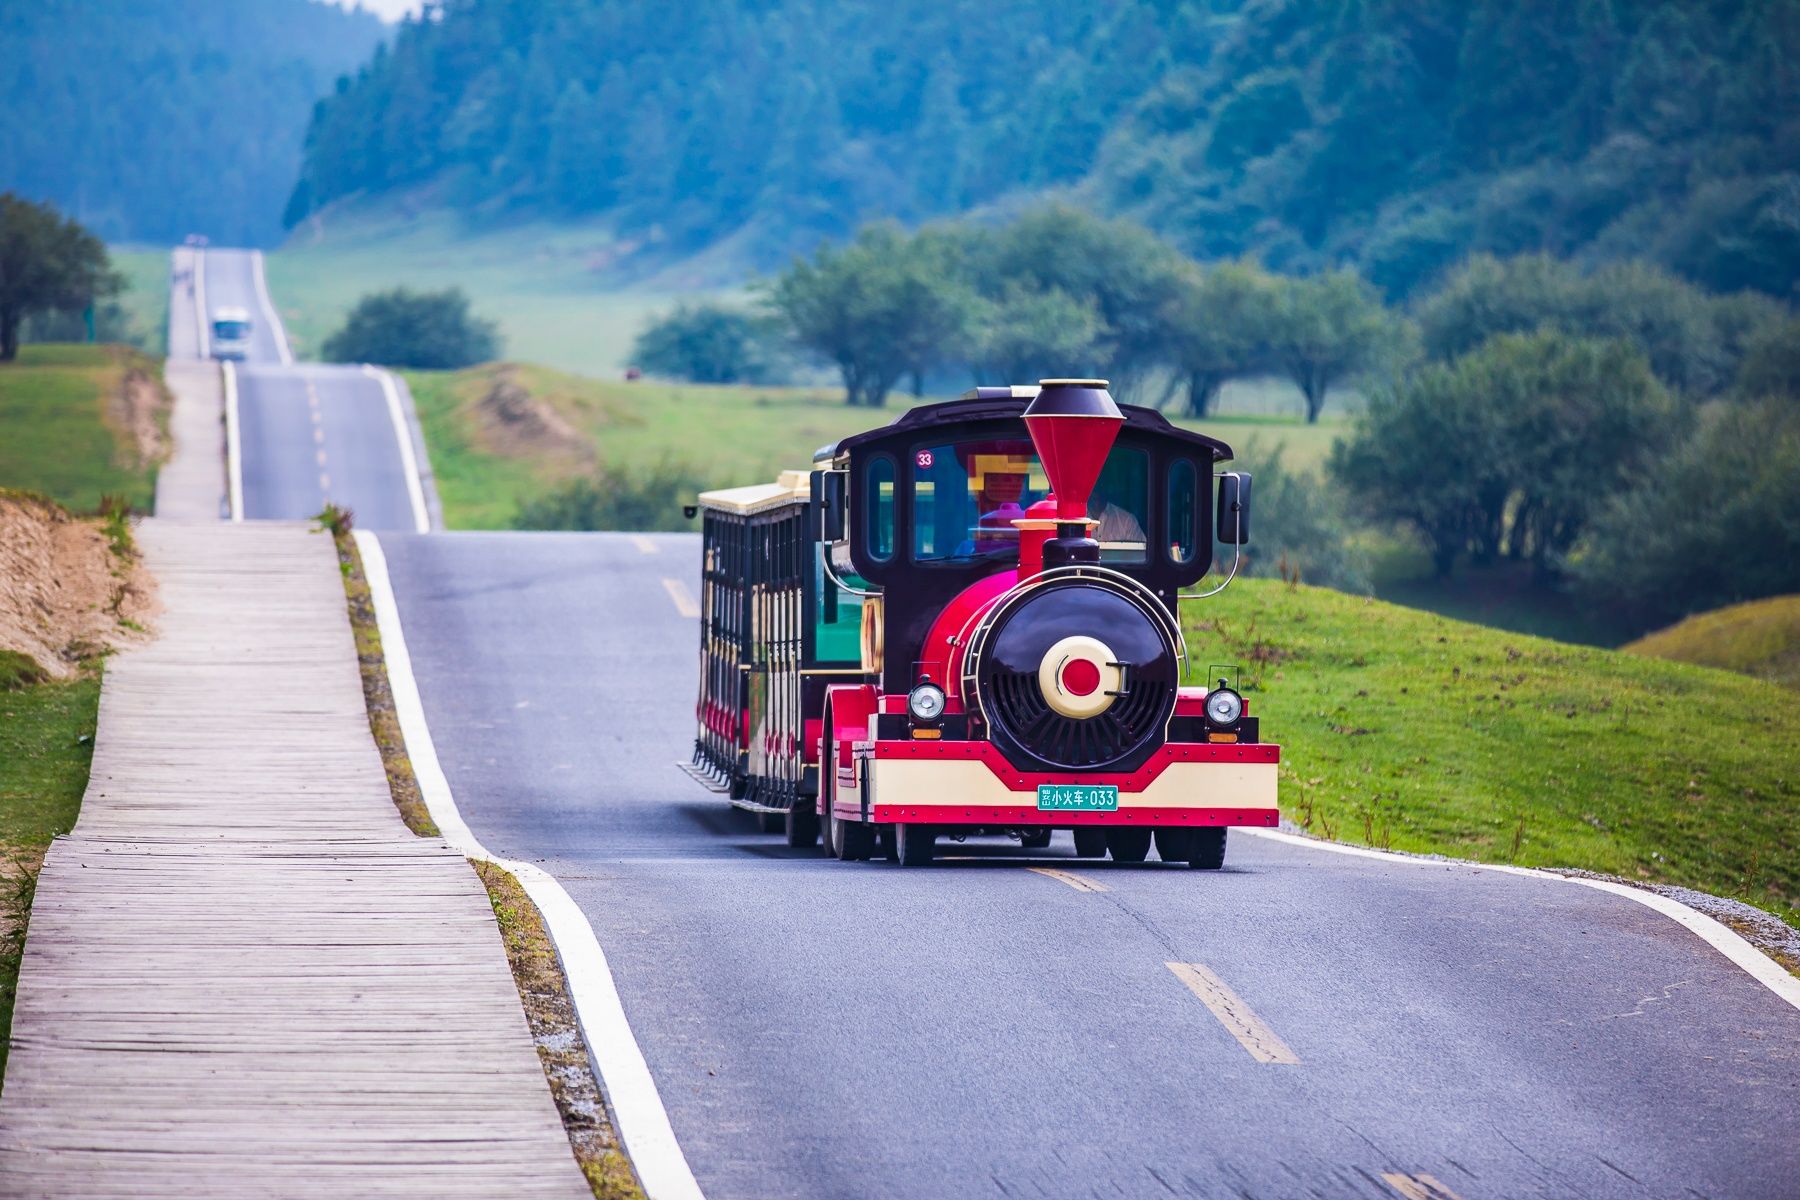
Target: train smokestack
1073, 423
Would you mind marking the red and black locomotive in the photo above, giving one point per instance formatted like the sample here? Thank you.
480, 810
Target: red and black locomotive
965, 622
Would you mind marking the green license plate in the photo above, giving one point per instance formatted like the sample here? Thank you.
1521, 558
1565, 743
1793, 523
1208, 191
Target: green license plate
1077, 797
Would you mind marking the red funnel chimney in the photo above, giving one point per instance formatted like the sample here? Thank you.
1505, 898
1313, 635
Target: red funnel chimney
1073, 423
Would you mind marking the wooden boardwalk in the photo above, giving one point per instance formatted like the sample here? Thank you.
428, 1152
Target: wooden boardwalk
244, 976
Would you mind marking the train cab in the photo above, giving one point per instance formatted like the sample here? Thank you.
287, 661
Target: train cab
966, 622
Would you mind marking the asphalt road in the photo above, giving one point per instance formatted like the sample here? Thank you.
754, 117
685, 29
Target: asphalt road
309, 434
827, 1029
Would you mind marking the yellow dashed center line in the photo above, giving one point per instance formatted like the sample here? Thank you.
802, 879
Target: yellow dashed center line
1418, 1187
644, 544
324, 482
1237, 1017
1080, 883
684, 603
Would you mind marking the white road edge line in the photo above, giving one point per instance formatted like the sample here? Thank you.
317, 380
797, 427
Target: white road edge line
202, 329
234, 445
644, 1126
268, 306
409, 462
1719, 936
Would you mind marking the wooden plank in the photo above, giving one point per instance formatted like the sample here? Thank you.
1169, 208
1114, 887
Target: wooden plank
244, 974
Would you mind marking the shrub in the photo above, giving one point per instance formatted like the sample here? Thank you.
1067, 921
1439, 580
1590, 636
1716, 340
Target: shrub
646, 500
709, 343
423, 330
1719, 524
1299, 530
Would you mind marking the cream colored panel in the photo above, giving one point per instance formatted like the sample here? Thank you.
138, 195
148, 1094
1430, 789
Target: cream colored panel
960, 782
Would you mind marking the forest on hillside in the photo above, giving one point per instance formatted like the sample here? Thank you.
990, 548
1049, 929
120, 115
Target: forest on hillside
1395, 136
798, 118
147, 120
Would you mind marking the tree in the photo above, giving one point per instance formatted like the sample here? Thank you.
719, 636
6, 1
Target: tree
1690, 338
1430, 454
1029, 335
1510, 449
1302, 530
1218, 326
404, 328
707, 343
1129, 274
48, 263
1718, 523
1771, 365
884, 306
1327, 329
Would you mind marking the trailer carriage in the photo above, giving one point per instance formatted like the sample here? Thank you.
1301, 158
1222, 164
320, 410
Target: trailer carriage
966, 622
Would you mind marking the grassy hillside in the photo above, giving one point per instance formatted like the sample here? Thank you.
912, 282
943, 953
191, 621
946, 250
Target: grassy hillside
1411, 731
490, 452
550, 285
1761, 638
82, 422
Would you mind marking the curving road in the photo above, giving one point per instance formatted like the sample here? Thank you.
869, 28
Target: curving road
824, 1029
306, 434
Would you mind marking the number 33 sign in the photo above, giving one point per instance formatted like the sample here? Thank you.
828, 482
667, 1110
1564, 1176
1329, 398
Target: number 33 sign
923, 458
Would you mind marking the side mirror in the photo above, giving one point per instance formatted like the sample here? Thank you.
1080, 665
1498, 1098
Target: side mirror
829, 490
1234, 508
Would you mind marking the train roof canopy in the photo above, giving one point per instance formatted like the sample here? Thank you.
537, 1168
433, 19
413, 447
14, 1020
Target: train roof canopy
759, 497
1000, 403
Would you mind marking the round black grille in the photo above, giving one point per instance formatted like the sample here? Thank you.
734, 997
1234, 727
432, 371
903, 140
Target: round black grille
1034, 736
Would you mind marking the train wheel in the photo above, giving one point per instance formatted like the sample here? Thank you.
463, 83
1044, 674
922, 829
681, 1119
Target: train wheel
914, 845
1036, 839
802, 823
854, 840
1177, 845
1128, 843
1209, 848
890, 843
1090, 841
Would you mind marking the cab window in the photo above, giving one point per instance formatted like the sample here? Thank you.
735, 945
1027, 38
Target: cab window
1121, 503
878, 508
966, 496
1181, 511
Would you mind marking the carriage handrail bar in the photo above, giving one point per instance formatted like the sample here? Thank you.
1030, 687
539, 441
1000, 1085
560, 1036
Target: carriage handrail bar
825, 564
1237, 553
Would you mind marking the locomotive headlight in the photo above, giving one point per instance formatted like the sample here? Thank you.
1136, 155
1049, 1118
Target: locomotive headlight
926, 702
1224, 707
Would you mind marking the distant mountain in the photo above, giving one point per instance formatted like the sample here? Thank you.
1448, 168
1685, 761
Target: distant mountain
1393, 135
151, 119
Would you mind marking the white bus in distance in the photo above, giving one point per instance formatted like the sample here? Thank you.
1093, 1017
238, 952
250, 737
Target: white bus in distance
230, 334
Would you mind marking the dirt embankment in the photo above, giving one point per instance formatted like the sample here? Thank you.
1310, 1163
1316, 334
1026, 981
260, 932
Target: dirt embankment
509, 420
70, 588
138, 409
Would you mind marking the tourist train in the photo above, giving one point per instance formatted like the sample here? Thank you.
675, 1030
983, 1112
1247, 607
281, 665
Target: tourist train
966, 623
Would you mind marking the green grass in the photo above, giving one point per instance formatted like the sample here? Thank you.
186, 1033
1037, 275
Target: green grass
146, 295
46, 745
60, 436
1760, 638
554, 288
1409, 730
